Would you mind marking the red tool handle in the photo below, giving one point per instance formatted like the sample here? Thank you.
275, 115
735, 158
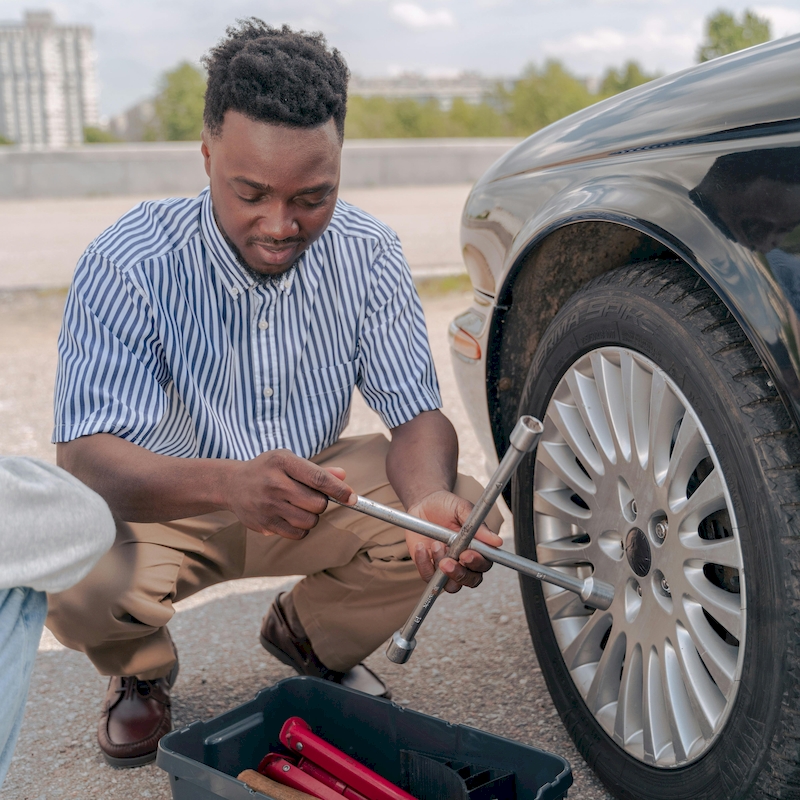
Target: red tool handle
299, 738
283, 771
323, 776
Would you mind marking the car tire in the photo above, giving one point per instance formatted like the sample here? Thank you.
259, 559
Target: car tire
688, 685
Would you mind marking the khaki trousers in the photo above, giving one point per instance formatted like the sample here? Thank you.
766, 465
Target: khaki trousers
360, 582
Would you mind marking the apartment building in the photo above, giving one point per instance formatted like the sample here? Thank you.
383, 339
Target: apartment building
48, 85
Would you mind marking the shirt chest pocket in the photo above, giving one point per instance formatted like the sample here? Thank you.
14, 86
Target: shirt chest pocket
336, 380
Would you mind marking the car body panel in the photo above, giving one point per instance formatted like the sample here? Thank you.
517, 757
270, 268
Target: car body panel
598, 165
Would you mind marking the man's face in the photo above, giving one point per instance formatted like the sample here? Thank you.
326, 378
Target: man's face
273, 188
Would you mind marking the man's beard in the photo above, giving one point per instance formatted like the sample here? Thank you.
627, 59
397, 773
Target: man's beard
261, 278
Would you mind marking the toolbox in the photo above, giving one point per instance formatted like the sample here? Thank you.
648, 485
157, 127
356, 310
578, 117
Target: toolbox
204, 758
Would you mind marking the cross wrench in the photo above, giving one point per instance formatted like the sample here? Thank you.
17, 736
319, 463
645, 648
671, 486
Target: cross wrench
523, 440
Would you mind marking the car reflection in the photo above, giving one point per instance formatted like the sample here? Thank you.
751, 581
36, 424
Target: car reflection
753, 197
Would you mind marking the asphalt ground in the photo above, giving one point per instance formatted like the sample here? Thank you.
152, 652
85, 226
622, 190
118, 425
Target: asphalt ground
474, 663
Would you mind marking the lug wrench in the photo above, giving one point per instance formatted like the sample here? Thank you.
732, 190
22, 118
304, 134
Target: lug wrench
523, 440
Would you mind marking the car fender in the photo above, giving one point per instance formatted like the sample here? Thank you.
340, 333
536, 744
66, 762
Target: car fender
663, 212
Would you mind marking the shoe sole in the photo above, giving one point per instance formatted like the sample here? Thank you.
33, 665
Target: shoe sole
278, 653
129, 763
147, 758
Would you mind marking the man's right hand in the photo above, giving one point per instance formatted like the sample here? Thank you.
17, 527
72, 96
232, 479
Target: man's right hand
281, 493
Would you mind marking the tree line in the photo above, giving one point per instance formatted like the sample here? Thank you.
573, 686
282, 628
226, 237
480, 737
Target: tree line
540, 96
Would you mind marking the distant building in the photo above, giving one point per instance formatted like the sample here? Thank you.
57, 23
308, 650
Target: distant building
137, 124
48, 88
469, 86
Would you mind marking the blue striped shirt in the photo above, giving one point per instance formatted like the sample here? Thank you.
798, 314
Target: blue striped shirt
168, 343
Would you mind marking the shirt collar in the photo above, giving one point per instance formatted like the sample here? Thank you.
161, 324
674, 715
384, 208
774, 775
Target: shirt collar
235, 279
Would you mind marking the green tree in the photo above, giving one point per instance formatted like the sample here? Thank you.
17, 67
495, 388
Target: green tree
93, 135
542, 96
725, 34
620, 80
4, 140
179, 103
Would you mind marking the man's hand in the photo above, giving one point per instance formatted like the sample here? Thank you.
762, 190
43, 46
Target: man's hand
279, 492
449, 511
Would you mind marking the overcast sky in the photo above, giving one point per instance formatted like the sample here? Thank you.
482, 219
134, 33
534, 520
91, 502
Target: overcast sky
136, 40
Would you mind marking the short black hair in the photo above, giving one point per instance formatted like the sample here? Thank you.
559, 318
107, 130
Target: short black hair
275, 75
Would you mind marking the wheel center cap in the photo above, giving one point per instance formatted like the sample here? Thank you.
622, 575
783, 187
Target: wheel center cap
637, 549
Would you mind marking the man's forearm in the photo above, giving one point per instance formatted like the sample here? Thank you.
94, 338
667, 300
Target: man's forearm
140, 486
423, 457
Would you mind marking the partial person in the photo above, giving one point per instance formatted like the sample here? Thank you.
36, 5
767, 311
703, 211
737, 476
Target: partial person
53, 530
207, 360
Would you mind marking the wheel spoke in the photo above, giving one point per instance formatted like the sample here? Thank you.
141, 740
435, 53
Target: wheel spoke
718, 656
605, 686
707, 701
558, 503
560, 460
638, 383
569, 423
562, 552
608, 377
562, 603
585, 647
628, 719
708, 497
688, 452
587, 401
683, 725
656, 731
665, 411
724, 607
724, 552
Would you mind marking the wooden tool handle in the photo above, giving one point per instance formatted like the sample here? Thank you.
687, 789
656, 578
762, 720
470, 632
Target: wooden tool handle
261, 783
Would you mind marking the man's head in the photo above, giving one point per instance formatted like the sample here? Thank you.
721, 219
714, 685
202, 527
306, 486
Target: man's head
274, 123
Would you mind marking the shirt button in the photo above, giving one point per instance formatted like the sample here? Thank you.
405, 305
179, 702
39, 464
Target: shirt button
263, 324
268, 392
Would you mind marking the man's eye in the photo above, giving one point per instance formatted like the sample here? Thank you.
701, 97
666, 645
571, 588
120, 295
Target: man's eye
254, 199
313, 203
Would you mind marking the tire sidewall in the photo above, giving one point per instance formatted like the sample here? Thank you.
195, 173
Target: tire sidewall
604, 316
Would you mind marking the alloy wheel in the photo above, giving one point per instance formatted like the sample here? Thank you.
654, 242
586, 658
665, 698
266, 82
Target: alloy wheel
628, 488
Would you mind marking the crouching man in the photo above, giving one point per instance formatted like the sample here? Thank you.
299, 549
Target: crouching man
207, 360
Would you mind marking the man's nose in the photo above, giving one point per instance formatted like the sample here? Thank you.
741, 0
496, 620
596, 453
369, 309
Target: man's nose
277, 222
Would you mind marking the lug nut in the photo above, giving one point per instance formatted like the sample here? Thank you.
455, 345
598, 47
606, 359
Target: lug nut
638, 590
661, 530
633, 508
665, 586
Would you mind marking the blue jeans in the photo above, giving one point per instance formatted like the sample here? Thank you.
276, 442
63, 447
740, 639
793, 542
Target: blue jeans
22, 613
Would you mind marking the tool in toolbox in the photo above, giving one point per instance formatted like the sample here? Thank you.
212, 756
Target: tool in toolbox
523, 440
322, 770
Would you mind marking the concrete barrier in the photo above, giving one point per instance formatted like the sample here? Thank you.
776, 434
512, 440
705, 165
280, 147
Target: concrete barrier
152, 168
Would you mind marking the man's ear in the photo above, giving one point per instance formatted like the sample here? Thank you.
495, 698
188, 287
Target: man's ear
206, 151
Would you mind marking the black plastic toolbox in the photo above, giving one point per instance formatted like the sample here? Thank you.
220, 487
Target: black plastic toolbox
204, 758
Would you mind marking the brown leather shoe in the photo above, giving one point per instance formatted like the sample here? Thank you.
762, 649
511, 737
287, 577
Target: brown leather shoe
278, 639
136, 714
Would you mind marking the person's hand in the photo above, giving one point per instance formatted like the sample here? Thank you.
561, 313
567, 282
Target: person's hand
279, 492
449, 511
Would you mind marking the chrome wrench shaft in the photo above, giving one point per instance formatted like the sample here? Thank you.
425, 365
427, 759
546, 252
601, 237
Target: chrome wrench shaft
523, 440
594, 593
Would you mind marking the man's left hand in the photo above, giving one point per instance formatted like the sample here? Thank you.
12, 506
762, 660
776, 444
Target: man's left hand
449, 511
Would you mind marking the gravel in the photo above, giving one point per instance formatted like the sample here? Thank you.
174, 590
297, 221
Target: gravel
474, 663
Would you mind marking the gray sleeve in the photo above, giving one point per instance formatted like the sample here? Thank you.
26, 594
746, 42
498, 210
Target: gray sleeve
53, 528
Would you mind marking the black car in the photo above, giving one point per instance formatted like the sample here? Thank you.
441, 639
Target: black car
636, 273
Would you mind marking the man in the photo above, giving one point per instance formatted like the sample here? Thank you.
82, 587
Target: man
208, 356
53, 530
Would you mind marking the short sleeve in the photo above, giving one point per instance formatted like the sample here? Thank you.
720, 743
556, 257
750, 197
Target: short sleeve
396, 375
111, 371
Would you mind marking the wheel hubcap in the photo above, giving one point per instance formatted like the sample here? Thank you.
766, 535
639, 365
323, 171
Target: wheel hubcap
628, 488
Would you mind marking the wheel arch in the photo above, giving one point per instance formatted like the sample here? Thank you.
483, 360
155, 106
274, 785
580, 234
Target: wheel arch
561, 258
